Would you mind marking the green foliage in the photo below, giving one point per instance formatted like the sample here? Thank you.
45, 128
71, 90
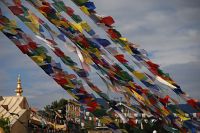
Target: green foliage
4, 123
49, 110
56, 105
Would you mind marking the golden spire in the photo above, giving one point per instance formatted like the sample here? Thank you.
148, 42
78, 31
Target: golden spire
19, 87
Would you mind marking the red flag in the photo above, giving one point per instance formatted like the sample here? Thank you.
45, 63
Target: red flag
45, 9
84, 42
61, 81
107, 20
69, 11
121, 58
152, 100
92, 104
152, 65
193, 103
23, 48
164, 100
32, 45
132, 122
16, 10
113, 34
58, 52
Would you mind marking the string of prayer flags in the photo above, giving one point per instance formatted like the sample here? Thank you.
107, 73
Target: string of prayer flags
95, 52
84, 43
140, 56
80, 72
60, 78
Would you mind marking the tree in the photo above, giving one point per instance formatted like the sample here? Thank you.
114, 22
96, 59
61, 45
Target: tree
49, 110
4, 124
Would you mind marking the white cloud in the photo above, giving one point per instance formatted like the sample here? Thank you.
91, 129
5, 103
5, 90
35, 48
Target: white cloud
169, 29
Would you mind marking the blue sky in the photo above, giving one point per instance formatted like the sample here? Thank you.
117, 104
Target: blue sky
168, 30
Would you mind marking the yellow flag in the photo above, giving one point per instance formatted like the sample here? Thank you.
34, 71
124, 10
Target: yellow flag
127, 48
33, 27
77, 26
138, 96
56, 22
86, 56
43, 56
96, 52
127, 90
13, 23
70, 83
85, 26
33, 18
139, 75
88, 61
85, 10
123, 39
65, 24
38, 59
183, 117
11, 26
135, 93
131, 84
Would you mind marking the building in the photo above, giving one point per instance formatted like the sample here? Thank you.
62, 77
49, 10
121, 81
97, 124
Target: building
73, 111
76, 114
16, 109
